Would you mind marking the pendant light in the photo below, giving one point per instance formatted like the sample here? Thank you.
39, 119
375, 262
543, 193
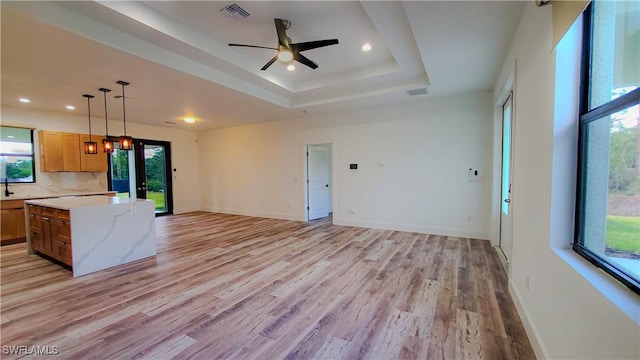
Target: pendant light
126, 142
90, 147
107, 142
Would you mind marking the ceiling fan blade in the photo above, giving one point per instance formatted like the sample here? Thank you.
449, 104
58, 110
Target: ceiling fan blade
266, 66
312, 44
254, 46
304, 60
281, 29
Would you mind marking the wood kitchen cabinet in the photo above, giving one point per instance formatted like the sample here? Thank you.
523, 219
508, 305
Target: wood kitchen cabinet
63, 151
71, 151
50, 151
50, 231
13, 225
93, 162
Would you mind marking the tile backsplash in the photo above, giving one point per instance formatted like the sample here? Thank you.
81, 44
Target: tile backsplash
54, 183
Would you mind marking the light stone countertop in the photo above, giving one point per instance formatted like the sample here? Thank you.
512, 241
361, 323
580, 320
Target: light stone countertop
49, 196
68, 203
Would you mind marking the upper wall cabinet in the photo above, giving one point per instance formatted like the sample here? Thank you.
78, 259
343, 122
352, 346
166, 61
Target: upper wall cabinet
93, 162
62, 151
71, 152
51, 151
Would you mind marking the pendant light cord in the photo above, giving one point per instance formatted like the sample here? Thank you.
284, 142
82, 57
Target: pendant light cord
124, 113
106, 122
89, 107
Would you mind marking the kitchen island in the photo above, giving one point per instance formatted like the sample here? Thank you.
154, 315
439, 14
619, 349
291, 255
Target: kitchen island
91, 233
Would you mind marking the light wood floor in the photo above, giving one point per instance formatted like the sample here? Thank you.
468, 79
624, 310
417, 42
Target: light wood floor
225, 286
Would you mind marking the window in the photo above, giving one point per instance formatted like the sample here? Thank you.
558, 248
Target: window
608, 201
16, 155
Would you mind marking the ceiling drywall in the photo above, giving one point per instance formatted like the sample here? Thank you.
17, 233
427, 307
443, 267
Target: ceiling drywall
176, 56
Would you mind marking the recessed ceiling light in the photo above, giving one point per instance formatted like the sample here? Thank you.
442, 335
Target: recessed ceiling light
11, 136
25, 100
189, 120
290, 67
366, 47
70, 107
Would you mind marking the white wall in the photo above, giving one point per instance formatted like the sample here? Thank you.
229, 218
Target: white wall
570, 310
184, 154
413, 159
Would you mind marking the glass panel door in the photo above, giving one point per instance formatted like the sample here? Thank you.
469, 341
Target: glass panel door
144, 172
121, 175
153, 173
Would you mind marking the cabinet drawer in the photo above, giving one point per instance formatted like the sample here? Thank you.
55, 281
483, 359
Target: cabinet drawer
62, 252
63, 214
11, 204
34, 209
64, 234
48, 212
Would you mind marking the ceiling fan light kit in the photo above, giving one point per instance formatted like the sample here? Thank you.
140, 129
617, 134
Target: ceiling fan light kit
286, 50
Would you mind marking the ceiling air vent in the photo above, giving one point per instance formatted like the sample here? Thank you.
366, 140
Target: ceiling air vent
419, 91
234, 11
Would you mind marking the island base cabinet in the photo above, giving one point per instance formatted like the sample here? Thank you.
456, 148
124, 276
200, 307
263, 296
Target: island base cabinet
93, 233
50, 231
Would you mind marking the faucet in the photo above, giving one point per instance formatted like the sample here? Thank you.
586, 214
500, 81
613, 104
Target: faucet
6, 187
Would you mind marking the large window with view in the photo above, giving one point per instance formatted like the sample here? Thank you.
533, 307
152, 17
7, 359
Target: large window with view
16, 155
608, 201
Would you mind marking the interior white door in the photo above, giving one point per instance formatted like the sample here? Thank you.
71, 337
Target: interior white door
318, 181
506, 214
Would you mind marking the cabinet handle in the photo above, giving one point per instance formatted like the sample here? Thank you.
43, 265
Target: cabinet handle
45, 218
61, 243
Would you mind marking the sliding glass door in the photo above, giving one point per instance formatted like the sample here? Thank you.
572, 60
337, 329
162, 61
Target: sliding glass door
144, 172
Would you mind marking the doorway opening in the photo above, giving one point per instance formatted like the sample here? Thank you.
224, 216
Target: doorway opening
319, 181
143, 173
506, 219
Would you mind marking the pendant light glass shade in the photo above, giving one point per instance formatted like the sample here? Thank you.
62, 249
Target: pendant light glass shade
126, 142
107, 145
90, 147
107, 142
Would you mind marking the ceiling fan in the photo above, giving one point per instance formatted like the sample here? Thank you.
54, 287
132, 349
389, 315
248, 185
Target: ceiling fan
288, 51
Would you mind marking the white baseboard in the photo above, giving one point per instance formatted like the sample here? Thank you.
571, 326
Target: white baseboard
532, 332
270, 215
414, 228
185, 210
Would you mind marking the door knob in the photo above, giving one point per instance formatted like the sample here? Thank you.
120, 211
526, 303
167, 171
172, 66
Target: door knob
326, 185
508, 201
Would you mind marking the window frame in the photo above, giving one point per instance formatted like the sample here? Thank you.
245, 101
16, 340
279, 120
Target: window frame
586, 116
33, 156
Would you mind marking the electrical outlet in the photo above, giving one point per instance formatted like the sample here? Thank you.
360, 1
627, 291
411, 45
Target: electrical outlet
469, 218
352, 210
133, 209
